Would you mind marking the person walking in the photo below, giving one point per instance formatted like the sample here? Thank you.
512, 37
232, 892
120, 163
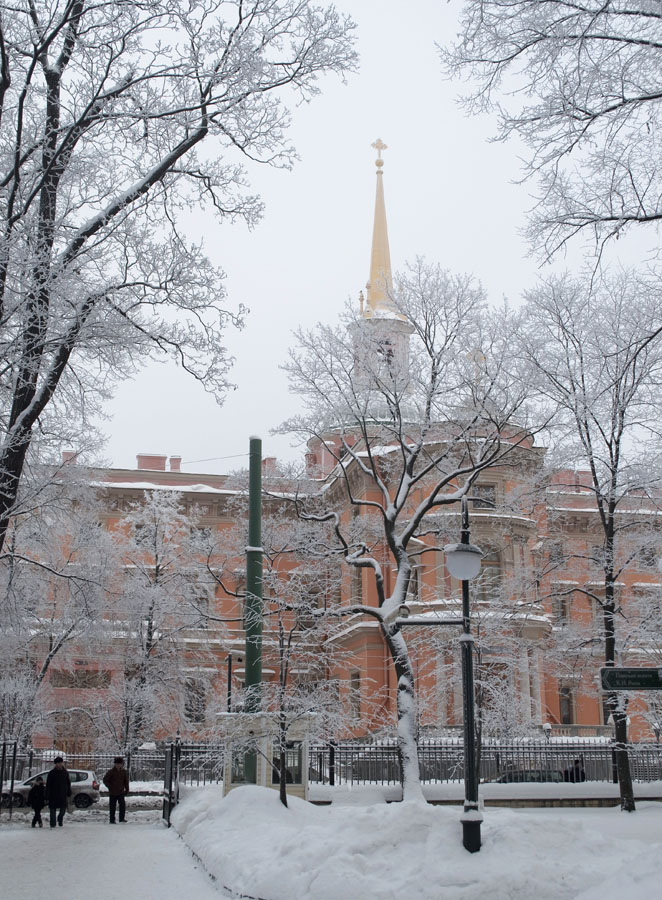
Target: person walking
36, 799
58, 789
117, 782
577, 772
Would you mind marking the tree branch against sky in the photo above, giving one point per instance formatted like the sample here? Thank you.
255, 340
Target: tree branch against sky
581, 84
105, 109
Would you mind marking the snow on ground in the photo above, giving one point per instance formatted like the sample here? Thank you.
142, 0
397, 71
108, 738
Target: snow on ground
454, 790
361, 847
88, 858
357, 848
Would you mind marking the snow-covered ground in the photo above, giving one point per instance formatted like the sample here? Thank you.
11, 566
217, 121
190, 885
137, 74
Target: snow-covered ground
88, 859
454, 790
358, 848
361, 848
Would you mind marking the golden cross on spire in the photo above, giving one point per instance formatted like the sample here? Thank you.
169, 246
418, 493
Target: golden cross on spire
379, 145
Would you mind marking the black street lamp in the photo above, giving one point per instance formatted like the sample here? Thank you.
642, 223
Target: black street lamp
463, 563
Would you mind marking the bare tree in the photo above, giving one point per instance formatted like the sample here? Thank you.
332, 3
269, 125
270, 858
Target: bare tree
299, 620
299, 638
410, 409
164, 602
598, 366
57, 574
104, 112
581, 84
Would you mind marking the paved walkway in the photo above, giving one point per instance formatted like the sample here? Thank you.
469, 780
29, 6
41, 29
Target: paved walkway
88, 859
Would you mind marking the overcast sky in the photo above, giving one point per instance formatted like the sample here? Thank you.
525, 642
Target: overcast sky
450, 196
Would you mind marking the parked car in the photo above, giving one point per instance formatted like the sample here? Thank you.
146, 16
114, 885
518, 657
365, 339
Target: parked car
84, 788
539, 776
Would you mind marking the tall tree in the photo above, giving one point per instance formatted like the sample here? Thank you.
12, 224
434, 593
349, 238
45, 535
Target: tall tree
299, 638
57, 576
300, 620
581, 84
599, 367
104, 112
164, 601
418, 401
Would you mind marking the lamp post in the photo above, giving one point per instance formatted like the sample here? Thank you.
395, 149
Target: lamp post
463, 563
253, 601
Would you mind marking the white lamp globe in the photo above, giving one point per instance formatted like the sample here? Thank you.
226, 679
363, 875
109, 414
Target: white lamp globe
463, 560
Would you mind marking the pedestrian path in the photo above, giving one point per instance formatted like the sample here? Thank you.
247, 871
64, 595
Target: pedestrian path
92, 860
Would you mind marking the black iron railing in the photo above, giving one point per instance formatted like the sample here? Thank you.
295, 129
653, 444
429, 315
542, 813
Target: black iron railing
442, 761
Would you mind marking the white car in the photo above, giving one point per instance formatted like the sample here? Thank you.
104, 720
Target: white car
84, 788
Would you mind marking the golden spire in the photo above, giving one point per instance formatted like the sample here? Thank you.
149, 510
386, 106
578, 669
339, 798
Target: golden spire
379, 289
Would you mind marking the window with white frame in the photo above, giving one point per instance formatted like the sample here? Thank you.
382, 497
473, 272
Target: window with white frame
483, 496
488, 583
567, 704
355, 695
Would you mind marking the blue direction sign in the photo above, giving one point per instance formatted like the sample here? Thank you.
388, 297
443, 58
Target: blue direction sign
631, 678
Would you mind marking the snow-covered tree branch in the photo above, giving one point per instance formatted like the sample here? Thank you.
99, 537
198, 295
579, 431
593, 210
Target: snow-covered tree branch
581, 84
114, 119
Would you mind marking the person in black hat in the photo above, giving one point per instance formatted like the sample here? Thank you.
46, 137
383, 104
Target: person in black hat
58, 788
117, 782
36, 800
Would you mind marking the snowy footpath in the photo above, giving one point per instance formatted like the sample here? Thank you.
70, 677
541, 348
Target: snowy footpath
88, 859
357, 848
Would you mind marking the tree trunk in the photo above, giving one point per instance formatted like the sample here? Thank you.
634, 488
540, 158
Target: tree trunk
620, 719
282, 762
282, 787
407, 716
623, 761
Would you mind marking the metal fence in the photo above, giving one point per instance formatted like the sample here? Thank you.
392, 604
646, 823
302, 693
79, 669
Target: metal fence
192, 764
200, 763
364, 763
443, 761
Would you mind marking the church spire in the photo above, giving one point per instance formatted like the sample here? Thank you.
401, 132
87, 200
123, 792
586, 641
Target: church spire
379, 290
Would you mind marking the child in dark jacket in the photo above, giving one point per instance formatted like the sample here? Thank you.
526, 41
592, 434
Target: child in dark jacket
36, 799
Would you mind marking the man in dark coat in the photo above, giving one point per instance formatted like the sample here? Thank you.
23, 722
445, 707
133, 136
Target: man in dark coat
117, 782
36, 800
577, 772
58, 789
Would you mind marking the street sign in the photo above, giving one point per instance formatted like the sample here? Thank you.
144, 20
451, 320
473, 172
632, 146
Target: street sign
631, 678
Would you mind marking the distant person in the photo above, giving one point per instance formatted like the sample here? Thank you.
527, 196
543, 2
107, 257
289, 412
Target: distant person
37, 800
117, 782
58, 790
575, 772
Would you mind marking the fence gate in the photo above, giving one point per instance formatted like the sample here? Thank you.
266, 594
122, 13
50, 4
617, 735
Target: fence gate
171, 781
8, 774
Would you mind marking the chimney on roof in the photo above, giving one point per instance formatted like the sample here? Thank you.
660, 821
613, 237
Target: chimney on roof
69, 456
152, 461
175, 463
269, 466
